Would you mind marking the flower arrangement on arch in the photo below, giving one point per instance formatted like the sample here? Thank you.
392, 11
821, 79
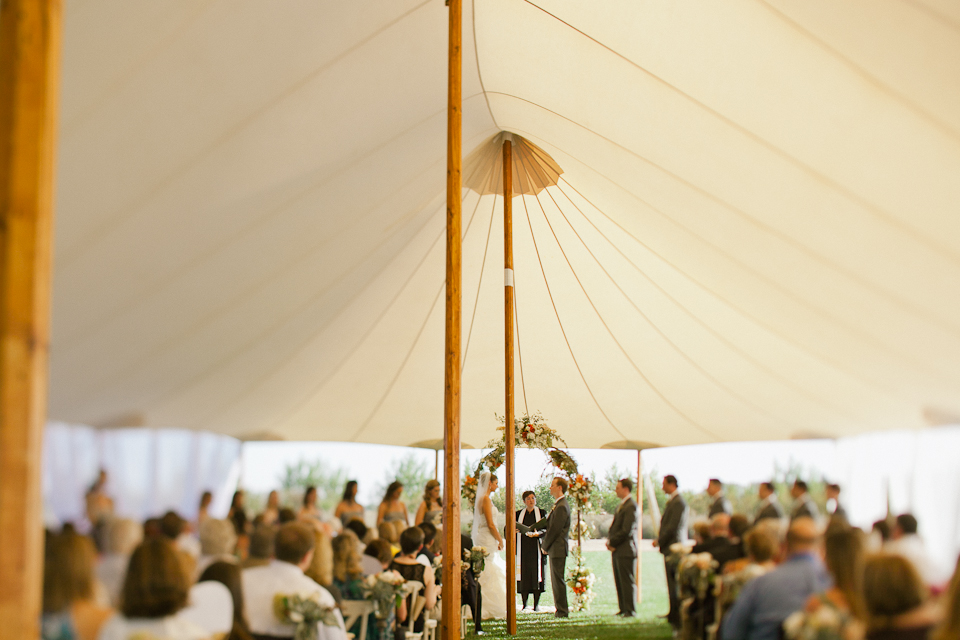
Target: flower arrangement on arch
304, 610
581, 579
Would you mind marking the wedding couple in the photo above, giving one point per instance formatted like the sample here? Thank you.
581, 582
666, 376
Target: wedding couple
556, 530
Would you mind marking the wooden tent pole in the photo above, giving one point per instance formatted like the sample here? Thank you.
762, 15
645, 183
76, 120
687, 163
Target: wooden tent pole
509, 433
450, 608
639, 526
29, 74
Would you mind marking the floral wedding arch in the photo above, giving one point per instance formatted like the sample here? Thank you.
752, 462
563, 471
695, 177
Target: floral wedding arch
532, 432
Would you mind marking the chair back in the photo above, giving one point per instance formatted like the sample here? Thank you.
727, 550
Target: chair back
417, 601
354, 610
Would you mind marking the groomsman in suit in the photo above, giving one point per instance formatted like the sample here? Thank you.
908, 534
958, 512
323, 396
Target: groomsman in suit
803, 504
622, 542
769, 506
554, 544
720, 503
833, 493
673, 529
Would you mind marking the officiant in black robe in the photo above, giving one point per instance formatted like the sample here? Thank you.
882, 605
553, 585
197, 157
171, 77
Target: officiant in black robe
531, 561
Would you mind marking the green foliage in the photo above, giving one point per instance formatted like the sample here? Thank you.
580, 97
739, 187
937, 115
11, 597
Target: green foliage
328, 481
414, 473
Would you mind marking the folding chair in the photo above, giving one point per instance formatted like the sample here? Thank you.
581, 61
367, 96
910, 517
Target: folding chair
354, 610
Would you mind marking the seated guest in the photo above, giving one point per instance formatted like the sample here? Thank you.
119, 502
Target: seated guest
701, 532
122, 537
739, 525
769, 507
949, 629
294, 548
879, 535
218, 541
154, 590
173, 528
718, 544
228, 574
803, 504
286, 515
842, 603
361, 530
321, 568
406, 564
389, 533
377, 556
261, 546
766, 602
896, 600
69, 609
429, 538
151, 528
348, 578
905, 541
470, 593
761, 544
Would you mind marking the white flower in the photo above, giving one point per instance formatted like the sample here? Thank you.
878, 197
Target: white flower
295, 616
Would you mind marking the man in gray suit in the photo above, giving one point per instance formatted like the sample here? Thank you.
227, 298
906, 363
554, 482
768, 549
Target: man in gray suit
554, 544
720, 503
673, 529
769, 506
803, 504
622, 541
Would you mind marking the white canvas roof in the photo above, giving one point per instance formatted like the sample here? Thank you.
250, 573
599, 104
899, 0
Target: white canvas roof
756, 233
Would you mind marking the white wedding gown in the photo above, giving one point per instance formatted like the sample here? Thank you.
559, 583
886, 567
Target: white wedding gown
493, 580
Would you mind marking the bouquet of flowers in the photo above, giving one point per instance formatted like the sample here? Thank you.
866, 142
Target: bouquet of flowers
469, 489
580, 489
697, 573
532, 431
304, 610
437, 570
581, 579
475, 558
385, 589
824, 623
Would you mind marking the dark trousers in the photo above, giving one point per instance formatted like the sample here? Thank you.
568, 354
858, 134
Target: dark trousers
558, 566
625, 579
674, 616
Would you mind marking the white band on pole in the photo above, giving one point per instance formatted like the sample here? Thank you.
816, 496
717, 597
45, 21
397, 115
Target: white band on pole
508, 277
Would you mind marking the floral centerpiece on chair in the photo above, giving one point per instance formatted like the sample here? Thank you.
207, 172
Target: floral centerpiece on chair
476, 559
385, 589
305, 611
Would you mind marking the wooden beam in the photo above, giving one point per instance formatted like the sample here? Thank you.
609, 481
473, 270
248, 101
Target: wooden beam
639, 528
450, 607
29, 73
509, 434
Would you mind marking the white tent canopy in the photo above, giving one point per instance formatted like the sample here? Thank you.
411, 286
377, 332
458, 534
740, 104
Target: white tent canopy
755, 234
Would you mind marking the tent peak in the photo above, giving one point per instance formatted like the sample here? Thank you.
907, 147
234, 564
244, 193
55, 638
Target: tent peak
533, 168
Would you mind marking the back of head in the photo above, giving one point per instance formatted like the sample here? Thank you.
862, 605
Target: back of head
720, 525
285, 515
802, 535
293, 542
217, 537
761, 544
358, 528
228, 574
429, 532
171, 525
388, 532
891, 586
882, 527
844, 557
346, 557
123, 536
379, 549
701, 530
68, 570
262, 542
739, 525
411, 540
156, 585
907, 523
800, 486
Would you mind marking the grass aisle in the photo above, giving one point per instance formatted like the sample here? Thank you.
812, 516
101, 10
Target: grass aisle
599, 621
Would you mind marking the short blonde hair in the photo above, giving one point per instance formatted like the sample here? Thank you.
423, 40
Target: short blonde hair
217, 537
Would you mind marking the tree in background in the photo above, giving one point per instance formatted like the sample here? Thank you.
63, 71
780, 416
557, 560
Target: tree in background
411, 471
317, 473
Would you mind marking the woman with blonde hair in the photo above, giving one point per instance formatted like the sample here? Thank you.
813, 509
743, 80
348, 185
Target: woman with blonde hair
69, 608
321, 567
431, 509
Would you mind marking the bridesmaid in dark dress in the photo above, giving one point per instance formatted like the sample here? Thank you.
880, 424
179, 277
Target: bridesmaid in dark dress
532, 561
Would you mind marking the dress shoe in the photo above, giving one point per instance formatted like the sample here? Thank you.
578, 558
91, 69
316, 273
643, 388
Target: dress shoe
560, 615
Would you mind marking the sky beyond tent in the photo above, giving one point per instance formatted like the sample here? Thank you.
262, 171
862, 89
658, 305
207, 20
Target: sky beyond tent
755, 234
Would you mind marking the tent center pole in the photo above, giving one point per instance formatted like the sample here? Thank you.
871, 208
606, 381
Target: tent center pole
509, 432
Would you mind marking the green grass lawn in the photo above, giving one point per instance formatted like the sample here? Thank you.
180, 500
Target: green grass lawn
599, 621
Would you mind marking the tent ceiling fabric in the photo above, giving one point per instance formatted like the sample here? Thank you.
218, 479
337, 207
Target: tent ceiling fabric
755, 234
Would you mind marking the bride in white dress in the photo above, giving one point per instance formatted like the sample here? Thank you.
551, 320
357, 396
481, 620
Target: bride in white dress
493, 580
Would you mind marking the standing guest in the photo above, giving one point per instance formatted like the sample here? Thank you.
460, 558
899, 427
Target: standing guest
803, 504
555, 545
720, 503
261, 546
348, 509
123, 535
896, 600
769, 507
766, 602
69, 609
99, 508
431, 509
155, 589
834, 508
377, 556
391, 509
622, 542
238, 513
271, 512
228, 574
905, 541
949, 629
309, 509
532, 561
406, 564
218, 543
203, 511
294, 548
843, 601
673, 529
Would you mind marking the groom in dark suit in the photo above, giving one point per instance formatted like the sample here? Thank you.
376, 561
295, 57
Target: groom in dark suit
622, 541
673, 529
554, 544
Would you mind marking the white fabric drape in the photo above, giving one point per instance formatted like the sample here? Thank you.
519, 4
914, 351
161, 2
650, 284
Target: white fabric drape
150, 470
